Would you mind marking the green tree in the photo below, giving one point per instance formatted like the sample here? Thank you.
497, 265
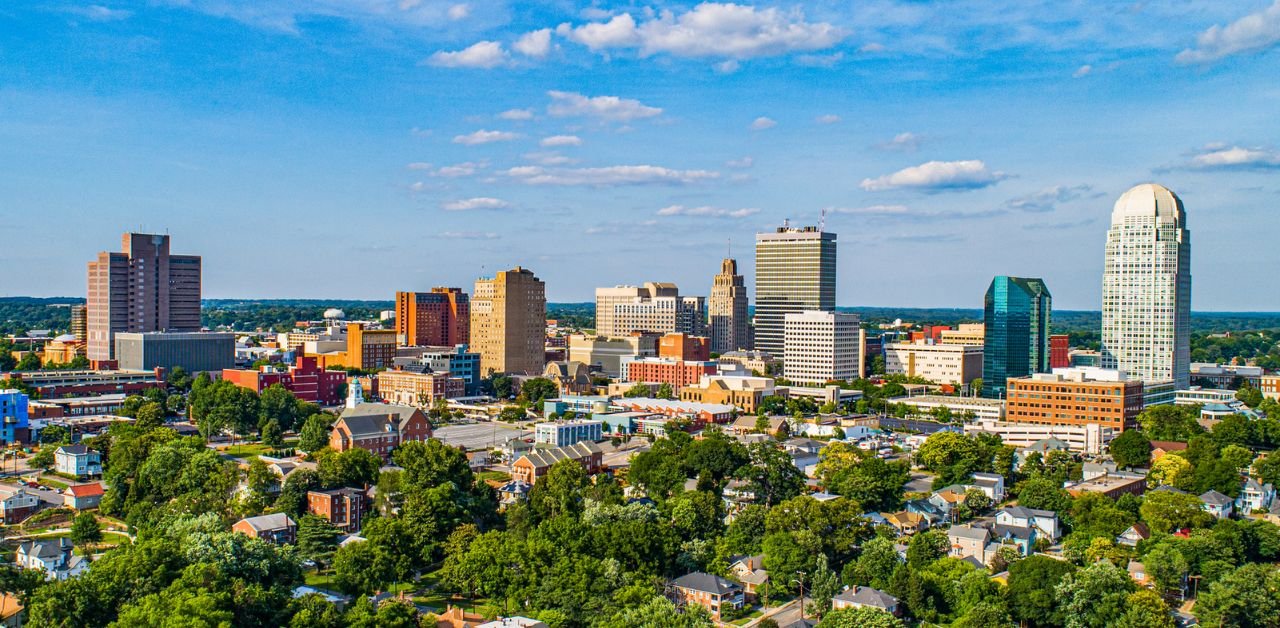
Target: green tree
926, 547
772, 475
1041, 493
314, 435
1032, 582
58, 435
560, 490
639, 389
861, 475
273, 435
42, 459
353, 467
1169, 422
317, 538
278, 404
824, 585
1131, 449
535, 390
860, 617
665, 391
361, 569
1267, 468
1094, 596
875, 564
1145, 609
85, 529
659, 611
150, 415
29, 362
1245, 597
1166, 567
1166, 511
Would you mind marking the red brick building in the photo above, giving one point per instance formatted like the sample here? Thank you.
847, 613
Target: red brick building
685, 347
275, 528
1059, 351
536, 463
678, 373
305, 379
440, 318
344, 507
379, 428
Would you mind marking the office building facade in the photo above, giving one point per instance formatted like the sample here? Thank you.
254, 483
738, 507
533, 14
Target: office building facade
795, 272
940, 364
727, 310
509, 322
1016, 331
1146, 287
194, 352
821, 346
653, 307
607, 354
440, 318
142, 288
1071, 397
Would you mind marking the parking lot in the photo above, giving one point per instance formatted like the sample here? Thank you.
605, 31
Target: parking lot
473, 436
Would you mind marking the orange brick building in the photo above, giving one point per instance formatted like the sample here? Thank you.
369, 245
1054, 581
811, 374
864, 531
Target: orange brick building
367, 349
678, 373
685, 347
1054, 399
440, 318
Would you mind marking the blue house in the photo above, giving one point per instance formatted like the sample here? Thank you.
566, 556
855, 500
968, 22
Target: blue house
13, 413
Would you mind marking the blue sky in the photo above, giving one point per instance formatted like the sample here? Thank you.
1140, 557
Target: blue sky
352, 148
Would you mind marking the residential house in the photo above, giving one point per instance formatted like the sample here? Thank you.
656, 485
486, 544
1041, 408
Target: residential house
1138, 572
1133, 535
929, 509
712, 592
1042, 447
859, 597
803, 445
17, 504
52, 556
749, 570
968, 541
990, 483
947, 500
276, 528
572, 377
1045, 522
77, 461
513, 622
1216, 504
343, 507
1162, 447
513, 492
1255, 496
536, 463
1021, 537
378, 428
11, 611
83, 496
906, 523
746, 424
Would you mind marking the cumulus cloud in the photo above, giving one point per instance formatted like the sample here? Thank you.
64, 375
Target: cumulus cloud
707, 211
1251, 33
570, 104
484, 54
464, 169
561, 140
906, 142
745, 162
517, 114
484, 137
549, 158
762, 123
871, 210
1220, 157
99, 13
937, 176
458, 12
469, 235
479, 202
1081, 71
609, 175
1047, 199
534, 44
709, 29
829, 118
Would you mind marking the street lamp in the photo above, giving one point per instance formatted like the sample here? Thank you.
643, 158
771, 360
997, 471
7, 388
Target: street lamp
800, 582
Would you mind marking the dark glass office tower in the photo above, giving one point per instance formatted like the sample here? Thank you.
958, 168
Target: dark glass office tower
1016, 324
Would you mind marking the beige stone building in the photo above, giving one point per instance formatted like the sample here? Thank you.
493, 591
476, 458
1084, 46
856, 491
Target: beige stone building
938, 363
606, 353
509, 322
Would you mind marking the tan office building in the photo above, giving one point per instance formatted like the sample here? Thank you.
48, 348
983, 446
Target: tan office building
940, 364
142, 288
1070, 398
509, 322
967, 334
727, 310
653, 307
607, 354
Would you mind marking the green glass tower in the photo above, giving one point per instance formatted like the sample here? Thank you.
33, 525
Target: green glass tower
1016, 323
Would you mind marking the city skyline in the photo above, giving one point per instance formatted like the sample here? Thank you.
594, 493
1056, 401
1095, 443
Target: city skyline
995, 134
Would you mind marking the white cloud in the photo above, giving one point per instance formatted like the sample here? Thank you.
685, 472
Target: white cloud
484, 54
710, 29
1081, 71
534, 44
484, 137
459, 12
906, 142
762, 123
1251, 33
517, 114
565, 104
99, 13
469, 235
1227, 157
609, 175
1047, 199
871, 47
936, 176
745, 162
705, 211
873, 210
549, 158
479, 202
829, 118
727, 67
561, 140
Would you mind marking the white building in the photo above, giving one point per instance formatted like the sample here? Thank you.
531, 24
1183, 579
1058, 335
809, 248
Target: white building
1146, 287
1090, 438
980, 407
820, 346
1201, 396
653, 307
564, 433
795, 272
938, 363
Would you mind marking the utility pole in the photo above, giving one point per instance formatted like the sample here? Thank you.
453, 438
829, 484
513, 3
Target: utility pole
800, 582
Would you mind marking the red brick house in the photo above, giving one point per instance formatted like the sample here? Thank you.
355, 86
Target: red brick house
343, 507
379, 428
275, 528
712, 592
536, 463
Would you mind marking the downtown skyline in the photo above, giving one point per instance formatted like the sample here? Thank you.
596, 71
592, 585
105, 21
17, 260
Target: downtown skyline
384, 139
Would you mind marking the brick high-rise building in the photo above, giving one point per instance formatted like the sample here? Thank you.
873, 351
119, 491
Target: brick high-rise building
509, 322
141, 288
440, 318
727, 310
1059, 351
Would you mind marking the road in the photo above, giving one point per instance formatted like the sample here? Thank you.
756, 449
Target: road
785, 614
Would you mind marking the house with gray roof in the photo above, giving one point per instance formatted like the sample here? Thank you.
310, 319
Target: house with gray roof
537, 462
378, 428
712, 592
1216, 504
275, 528
55, 557
859, 597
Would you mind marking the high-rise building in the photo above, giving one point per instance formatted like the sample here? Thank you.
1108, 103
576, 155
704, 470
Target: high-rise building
821, 346
140, 289
440, 318
1059, 351
653, 307
509, 322
795, 272
1016, 331
1146, 287
727, 310
80, 321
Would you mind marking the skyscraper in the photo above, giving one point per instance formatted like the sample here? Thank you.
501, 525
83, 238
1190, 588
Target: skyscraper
654, 307
440, 318
509, 322
140, 289
1015, 330
727, 310
1146, 287
795, 272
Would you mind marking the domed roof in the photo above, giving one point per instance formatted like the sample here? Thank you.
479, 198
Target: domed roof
65, 338
1149, 199
334, 313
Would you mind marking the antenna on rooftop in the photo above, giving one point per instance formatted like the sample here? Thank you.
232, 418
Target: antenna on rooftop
730, 248
822, 220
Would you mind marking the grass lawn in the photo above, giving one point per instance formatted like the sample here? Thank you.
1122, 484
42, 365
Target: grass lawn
45, 479
493, 475
248, 450
318, 580
741, 621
